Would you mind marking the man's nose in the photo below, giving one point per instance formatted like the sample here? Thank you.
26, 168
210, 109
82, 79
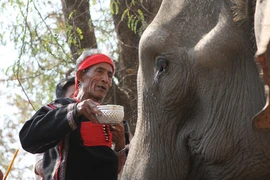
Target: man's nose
105, 78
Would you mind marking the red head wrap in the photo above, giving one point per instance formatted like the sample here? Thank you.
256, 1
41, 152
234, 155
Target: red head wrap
88, 62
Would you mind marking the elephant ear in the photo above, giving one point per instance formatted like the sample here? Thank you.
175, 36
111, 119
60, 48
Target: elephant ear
261, 121
262, 26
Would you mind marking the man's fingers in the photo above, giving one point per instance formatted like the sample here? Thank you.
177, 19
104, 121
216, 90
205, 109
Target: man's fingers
95, 110
112, 127
93, 118
89, 109
93, 106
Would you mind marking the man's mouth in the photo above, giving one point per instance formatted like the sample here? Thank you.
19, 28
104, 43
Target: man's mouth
102, 88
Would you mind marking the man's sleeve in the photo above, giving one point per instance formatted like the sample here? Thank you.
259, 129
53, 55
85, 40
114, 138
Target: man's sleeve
48, 126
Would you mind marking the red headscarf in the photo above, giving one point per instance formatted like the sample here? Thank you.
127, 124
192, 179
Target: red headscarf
88, 62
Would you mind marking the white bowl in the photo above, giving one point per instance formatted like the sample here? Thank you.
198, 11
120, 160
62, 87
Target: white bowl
111, 114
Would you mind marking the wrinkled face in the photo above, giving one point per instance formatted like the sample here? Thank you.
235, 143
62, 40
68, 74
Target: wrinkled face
96, 81
70, 91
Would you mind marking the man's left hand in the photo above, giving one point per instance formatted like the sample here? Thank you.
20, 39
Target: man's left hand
118, 136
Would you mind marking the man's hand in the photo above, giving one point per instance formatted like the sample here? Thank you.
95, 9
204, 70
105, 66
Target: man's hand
38, 169
118, 132
118, 136
88, 108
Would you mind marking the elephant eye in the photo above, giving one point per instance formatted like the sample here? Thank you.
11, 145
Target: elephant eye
161, 66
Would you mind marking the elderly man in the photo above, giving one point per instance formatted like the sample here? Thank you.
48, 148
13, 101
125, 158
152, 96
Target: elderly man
76, 146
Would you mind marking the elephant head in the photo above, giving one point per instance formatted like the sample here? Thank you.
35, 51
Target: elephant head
198, 89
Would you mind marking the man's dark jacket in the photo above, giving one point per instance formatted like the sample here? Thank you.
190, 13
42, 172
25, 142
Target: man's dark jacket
55, 131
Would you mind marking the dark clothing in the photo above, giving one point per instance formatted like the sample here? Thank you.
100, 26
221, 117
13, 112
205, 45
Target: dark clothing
55, 130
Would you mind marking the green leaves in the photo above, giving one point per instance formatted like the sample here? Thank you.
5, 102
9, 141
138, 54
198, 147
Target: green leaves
114, 6
134, 15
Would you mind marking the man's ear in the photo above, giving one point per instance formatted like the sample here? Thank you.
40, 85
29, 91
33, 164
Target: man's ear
80, 75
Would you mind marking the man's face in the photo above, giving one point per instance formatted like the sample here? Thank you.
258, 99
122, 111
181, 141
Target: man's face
97, 81
70, 91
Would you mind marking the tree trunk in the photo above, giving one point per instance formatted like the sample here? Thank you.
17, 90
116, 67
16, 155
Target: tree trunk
77, 16
127, 66
80, 30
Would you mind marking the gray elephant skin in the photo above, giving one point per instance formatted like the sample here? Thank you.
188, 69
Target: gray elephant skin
198, 90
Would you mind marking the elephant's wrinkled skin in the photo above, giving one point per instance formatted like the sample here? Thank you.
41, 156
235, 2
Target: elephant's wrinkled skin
199, 88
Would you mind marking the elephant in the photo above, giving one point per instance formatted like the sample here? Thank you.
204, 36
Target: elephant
199, 88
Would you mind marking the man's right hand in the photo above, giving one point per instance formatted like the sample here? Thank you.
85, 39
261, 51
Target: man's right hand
88, 108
